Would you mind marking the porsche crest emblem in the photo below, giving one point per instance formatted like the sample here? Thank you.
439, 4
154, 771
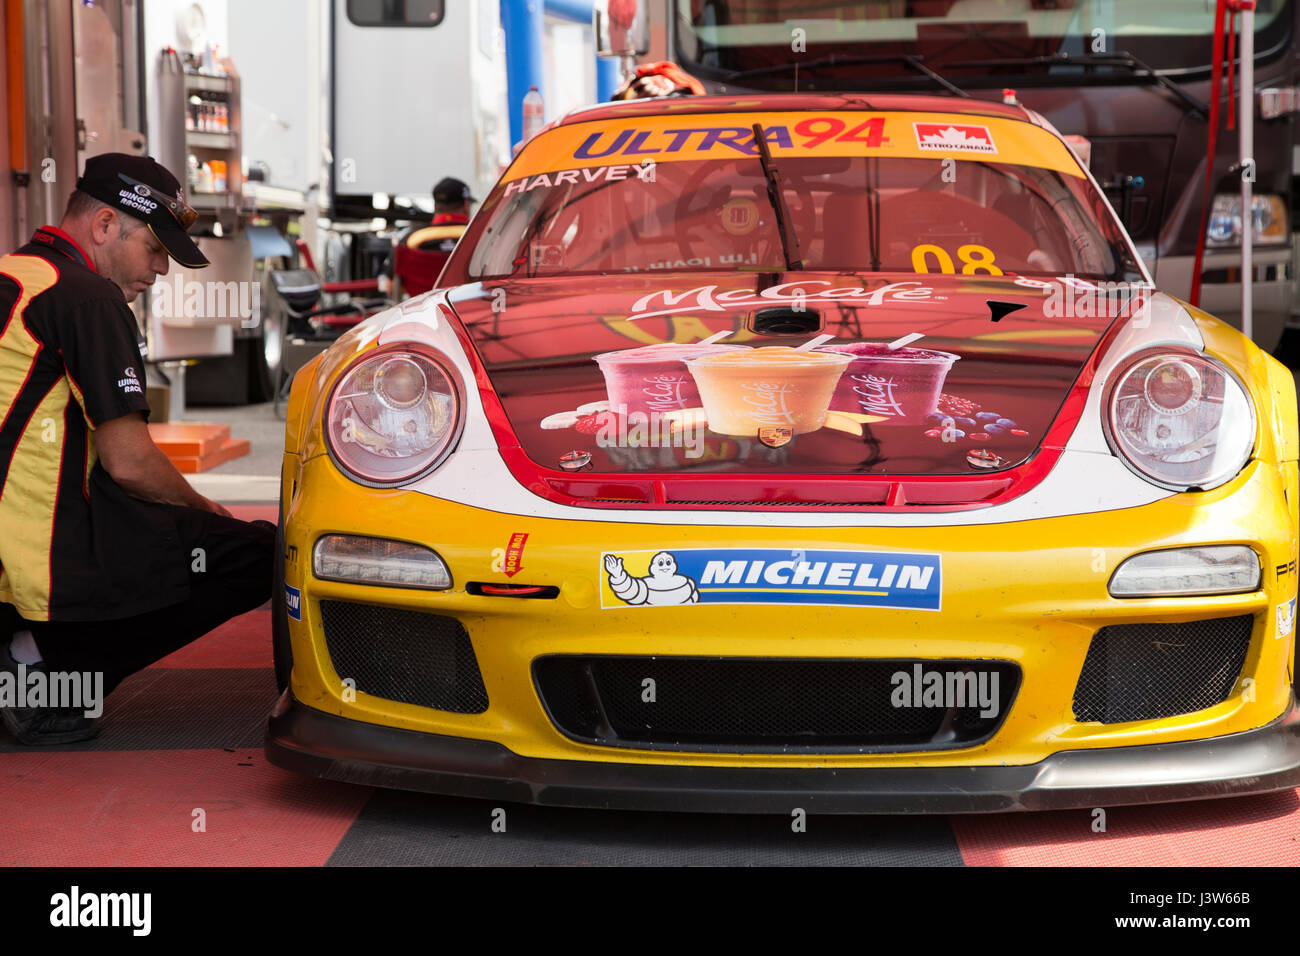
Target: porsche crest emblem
774, 436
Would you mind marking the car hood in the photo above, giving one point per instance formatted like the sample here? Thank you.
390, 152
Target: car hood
998, 357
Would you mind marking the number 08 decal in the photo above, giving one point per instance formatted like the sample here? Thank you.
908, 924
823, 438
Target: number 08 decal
975, 259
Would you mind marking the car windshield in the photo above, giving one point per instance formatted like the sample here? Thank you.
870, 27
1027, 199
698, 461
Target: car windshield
719, 36
930, 196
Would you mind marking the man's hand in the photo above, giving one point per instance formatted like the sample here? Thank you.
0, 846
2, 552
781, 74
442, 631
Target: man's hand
217, 508
129, 455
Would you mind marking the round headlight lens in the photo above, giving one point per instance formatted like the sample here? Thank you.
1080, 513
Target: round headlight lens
393, 416
400, 383
1173, 387
1180, 420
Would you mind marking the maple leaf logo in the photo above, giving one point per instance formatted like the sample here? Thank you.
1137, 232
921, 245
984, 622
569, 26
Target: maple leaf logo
951, 136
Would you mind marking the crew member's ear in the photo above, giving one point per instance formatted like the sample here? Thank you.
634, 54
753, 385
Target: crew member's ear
104, 226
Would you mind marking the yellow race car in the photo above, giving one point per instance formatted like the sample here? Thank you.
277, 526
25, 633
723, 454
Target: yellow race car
792, 452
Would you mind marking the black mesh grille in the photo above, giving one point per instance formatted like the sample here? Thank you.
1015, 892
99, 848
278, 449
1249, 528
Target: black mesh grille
407, 656
745, 704
1149, 671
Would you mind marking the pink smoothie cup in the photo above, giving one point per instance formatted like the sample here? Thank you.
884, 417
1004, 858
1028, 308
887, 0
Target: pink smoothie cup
902, 385
654, 378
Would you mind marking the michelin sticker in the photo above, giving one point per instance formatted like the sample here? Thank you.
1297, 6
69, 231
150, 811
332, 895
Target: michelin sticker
293, 601
912, 581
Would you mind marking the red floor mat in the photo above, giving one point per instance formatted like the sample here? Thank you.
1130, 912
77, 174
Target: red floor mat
136, 808
243, 641
1260, 830
269, 513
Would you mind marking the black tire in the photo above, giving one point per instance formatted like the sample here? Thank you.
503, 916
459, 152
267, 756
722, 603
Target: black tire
266, 357
281, 648
220, 381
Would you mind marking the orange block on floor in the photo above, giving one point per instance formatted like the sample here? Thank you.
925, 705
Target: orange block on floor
194, 446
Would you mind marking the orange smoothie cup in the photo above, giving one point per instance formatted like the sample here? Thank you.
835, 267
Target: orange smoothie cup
765, 387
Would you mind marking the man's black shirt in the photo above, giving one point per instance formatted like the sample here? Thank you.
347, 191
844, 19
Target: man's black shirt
74, 545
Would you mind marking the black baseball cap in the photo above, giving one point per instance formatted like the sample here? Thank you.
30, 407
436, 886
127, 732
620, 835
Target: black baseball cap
141, 187
451, 191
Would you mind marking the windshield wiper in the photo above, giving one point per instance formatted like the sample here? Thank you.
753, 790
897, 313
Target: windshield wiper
833, 60
1098, 59
776, 196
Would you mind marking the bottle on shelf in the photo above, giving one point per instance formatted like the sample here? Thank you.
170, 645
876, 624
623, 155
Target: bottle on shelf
534, 112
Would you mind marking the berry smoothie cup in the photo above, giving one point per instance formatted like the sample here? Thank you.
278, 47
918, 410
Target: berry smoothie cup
654, 378
902, 385
764, 387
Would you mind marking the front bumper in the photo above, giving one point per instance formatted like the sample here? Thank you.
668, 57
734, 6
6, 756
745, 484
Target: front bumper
322, 745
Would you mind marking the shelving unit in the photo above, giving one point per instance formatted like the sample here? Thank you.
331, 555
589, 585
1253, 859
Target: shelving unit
180, 335
178, 89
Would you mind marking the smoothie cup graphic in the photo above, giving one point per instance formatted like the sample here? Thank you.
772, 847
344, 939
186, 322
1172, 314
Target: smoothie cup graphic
902, 385
654, 378
764, 387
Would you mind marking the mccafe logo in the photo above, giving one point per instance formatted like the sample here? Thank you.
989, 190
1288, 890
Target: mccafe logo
707, 298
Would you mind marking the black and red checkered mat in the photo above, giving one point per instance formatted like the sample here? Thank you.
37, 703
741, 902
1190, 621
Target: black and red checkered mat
186, 735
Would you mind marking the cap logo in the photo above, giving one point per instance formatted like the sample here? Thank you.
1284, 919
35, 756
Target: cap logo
139, 203
141, 190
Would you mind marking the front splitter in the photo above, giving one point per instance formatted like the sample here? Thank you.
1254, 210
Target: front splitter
309, 741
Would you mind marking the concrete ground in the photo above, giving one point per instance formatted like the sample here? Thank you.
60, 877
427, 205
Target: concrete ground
255, 477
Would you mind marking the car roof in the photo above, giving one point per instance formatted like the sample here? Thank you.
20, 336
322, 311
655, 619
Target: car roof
791, 102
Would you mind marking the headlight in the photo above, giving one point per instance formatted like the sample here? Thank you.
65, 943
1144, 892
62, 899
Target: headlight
394, 415
1270, 220
1179, 420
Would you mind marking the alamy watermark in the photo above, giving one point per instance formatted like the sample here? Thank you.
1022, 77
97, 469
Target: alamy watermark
1074, 298
624, 429
77, 908
38, 687
179, 297
946, 689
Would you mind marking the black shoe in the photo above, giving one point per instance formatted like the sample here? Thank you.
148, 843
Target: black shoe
35, 726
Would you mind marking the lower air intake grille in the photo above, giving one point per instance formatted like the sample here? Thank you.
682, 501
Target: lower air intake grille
407, 656
773, 706
1149, 671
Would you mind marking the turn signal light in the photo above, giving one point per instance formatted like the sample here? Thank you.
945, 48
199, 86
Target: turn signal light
1220, 569
394, 564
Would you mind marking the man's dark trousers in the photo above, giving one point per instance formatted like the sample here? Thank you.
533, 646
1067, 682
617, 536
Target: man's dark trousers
235, 561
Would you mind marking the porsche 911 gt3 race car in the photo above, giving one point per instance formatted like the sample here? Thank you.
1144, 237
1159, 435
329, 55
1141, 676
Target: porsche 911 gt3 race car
792, 452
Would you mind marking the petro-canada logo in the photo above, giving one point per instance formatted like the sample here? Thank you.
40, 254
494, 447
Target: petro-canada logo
958, 137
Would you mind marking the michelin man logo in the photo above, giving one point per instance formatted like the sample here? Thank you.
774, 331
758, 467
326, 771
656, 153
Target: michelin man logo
663, 586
